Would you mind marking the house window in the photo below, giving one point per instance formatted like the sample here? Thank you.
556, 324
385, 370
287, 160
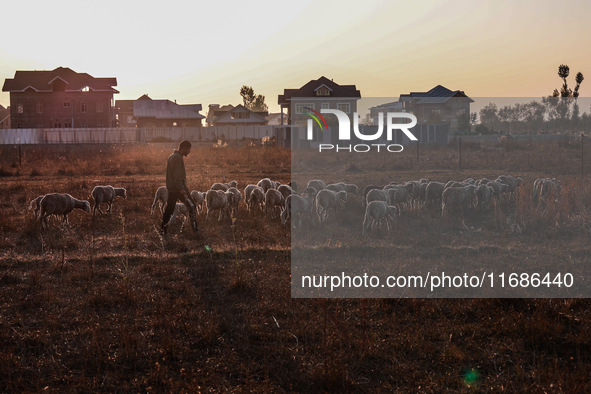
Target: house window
20, 108
86, 89
66, 104
460, 111
323, 91
99, 107
302, 108
345, 107
99, 125
83, 123
57, 125
174, 124
240, 115
39, 108
83, 107
325, 106
67, 124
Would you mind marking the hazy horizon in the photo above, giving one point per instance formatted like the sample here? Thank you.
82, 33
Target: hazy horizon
204, 53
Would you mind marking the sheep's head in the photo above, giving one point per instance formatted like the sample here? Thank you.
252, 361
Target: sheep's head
86, 207
121, 192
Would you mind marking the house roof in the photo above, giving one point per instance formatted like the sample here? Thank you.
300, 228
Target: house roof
42, 81
165, 109
217, 113
439, 94
309, 90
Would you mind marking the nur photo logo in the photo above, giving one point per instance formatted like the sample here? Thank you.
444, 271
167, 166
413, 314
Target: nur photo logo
344, 130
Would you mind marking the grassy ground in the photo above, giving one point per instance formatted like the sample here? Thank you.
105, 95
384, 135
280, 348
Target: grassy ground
106, 304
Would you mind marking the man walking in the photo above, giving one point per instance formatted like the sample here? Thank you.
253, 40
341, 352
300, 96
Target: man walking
176, 185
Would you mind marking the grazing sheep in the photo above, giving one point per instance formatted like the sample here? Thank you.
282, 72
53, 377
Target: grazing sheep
366, 191
297, 206
433, 193
35, 204
257, 198
266, 184
336, 187
310, 191
219, 186
106, 194
160, 198
217, 199
545, 189
326, 200
379, 195
453, 200
317, 184
234, 197
199, 199
273, 198
285, 190
60, 204
375, 212
247, 190
483, 194
398, 196
351, 188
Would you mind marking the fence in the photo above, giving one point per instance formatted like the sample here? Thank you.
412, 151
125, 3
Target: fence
127, 135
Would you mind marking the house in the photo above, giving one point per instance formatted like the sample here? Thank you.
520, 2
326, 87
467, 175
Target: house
374, 112
60, 98
275, 119
322, 93
4, 117
229, 115
146, 112
437, 106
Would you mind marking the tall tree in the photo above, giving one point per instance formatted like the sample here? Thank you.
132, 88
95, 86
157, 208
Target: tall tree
252, 101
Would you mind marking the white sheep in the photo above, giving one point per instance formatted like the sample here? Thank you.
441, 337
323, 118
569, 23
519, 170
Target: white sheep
199, 199
285, 190
247, 191
257, 198
106, 194
220, 186
366, 191
453, 200
433, 193
336, 187
326, 200
234, 199
273, 198
60, 204
217, 199
297, 206
375, 212
35, 205
380, 195
266, 184
483, 194
317, 184
160, 198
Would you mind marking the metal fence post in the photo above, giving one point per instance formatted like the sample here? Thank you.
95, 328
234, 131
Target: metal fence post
460, 153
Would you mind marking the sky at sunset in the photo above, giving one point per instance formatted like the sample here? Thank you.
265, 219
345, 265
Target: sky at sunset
203, 52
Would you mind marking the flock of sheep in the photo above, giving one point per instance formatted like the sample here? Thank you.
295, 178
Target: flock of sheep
317, 201
382, 204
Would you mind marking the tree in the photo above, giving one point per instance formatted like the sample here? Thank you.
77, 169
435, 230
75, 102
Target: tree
252, 101
489, 116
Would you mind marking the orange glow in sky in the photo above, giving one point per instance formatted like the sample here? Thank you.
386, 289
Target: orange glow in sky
203, 52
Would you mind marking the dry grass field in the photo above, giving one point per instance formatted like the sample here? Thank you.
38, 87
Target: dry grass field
105, 303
